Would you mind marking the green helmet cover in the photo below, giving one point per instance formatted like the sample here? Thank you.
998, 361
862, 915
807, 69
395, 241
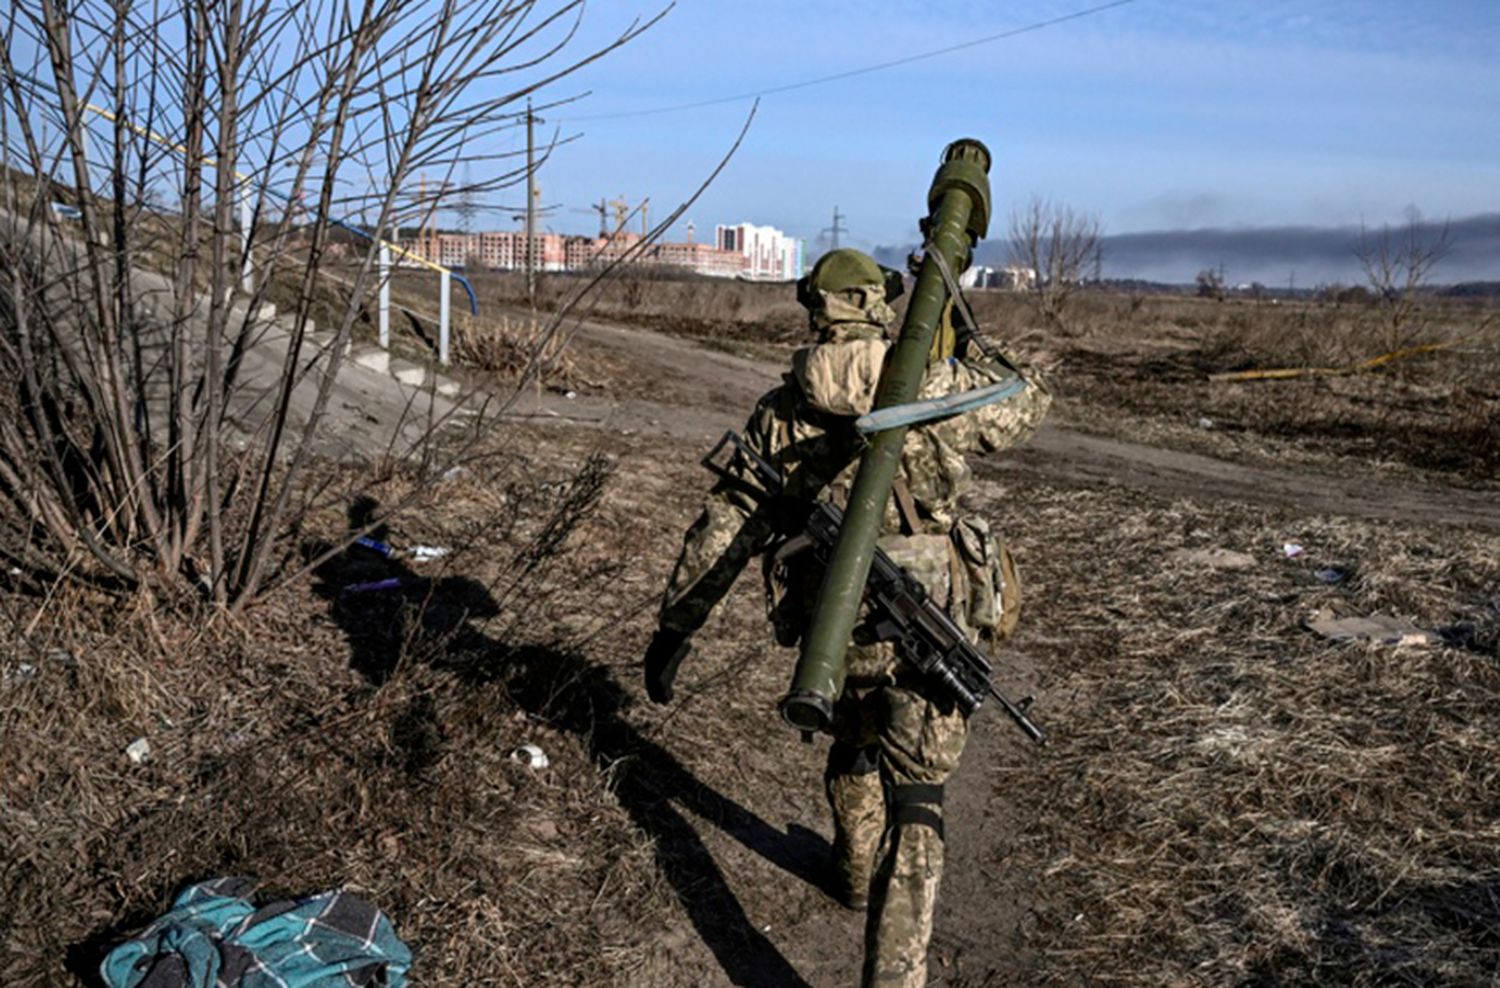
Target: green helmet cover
839, 270
844, 276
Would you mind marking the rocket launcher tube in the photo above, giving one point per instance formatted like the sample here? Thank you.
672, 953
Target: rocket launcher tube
959, 203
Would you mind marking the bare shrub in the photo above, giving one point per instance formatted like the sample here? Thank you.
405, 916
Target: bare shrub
118, 464
508, 345
1398, 267
1210, 283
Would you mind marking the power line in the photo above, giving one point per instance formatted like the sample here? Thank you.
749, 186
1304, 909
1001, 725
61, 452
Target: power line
865, 70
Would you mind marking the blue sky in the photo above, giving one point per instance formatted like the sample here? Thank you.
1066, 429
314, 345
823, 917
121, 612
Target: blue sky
1158, 114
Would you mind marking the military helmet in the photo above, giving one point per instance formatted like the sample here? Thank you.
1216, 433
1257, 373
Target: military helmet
847, 287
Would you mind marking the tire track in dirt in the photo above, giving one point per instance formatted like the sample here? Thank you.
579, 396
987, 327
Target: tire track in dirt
1077, 458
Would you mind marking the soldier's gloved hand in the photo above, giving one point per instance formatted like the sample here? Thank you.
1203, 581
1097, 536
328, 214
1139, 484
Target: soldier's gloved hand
665, 653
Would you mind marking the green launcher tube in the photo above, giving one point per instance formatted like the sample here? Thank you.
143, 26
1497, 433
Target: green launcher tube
958, 217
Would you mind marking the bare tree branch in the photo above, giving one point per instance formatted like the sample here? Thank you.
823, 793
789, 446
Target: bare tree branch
123, 334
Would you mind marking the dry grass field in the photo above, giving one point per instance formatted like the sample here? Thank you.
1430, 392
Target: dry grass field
1139, 366
1229, 798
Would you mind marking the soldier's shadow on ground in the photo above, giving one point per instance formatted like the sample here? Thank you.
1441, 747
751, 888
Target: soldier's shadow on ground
381, 620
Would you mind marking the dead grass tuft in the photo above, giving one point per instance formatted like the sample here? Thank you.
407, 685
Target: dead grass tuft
1233, 800
506, 346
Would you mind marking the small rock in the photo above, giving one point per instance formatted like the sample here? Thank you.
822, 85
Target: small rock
531, 756
138, 751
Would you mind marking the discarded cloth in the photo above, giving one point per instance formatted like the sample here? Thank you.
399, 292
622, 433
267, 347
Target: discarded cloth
1375, 628
214, 937
1212, 558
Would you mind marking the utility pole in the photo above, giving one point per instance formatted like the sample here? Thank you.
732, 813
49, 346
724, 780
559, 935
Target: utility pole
836, 229
430, 248
531, 121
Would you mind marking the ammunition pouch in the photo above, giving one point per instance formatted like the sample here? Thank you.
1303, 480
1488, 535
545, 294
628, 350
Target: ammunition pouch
992, 588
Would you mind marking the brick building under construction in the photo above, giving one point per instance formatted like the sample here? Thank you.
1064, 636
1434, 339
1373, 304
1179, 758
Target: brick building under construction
759, 253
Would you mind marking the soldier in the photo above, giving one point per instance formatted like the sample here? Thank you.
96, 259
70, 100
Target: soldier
896, 739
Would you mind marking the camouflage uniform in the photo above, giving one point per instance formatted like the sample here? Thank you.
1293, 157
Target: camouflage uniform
895, 739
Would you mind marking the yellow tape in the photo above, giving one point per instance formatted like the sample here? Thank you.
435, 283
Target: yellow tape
1284, 373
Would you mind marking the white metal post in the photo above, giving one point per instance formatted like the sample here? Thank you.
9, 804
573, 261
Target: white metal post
247, 273
443, 319
385, 296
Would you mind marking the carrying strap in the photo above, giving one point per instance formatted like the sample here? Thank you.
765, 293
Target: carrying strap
906, 507
917, 804
962, 304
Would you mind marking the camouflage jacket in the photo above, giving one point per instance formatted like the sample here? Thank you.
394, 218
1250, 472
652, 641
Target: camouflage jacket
805, 428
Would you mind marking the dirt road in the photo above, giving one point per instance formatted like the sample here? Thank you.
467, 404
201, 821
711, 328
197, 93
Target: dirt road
707, 391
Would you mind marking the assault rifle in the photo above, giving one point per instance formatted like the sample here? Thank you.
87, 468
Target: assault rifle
926, 638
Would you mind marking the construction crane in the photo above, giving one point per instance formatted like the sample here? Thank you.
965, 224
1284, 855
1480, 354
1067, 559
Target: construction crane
621, 207
622, 211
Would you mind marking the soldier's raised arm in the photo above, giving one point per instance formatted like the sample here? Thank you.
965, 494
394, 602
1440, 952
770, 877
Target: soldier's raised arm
1011, 422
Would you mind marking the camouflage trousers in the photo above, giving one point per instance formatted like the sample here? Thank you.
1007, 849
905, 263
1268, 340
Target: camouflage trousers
893, 751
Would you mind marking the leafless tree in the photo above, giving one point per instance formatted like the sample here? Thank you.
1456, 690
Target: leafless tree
1398, 266
1056, 244
118, 458
1210, 282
